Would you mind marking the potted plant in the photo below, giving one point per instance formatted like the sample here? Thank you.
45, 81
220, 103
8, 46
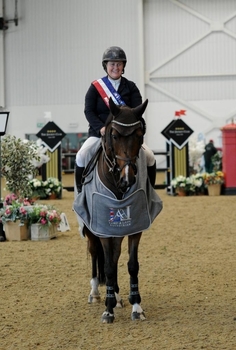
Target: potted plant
197, 186
43, 221
38, 188
14, 217
213, 182
182, 185
18, 159
51, 188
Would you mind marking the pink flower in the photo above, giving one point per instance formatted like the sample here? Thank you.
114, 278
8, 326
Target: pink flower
51, 217
23, 211
8, 211
43, 221
10, 198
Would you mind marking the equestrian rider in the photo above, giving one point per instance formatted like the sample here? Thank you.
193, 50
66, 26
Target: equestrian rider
97, 110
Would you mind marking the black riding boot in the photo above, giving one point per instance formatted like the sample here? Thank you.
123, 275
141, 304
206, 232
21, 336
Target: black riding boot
151, 170
78, 177
2, 233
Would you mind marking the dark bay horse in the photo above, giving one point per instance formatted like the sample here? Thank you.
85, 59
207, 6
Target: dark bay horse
116, 166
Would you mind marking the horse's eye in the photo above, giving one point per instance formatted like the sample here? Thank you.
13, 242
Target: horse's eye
114, 136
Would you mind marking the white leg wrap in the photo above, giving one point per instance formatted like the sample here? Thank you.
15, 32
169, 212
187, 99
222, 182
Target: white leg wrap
94, 295
137, 308
137, 313
94, 285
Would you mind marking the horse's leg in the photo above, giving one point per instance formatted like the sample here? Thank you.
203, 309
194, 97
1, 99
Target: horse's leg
112, 250
94, 295
97, 256
133, 268
116, 255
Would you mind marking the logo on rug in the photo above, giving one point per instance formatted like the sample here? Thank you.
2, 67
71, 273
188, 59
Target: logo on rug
120, 217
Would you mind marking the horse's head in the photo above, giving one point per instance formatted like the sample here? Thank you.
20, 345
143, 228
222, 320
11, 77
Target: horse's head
125, 128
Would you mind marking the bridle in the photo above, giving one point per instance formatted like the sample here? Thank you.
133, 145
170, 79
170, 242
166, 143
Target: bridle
111, 160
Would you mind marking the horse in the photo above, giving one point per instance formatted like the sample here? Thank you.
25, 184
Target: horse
116, 165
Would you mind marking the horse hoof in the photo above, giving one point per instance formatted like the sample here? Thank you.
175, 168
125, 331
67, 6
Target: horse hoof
107, 317
138, 316
94, 299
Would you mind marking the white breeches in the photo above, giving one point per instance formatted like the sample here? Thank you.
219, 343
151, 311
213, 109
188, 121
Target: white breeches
80, 156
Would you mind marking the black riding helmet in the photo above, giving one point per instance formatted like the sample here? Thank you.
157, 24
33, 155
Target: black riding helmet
113, 53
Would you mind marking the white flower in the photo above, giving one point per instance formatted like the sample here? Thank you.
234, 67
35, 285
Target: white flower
196, 150
37, 183
198, 182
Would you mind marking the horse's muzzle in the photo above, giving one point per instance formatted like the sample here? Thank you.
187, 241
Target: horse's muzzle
125, 183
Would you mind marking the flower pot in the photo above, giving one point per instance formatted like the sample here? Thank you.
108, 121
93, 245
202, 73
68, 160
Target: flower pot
52, 196
14, 232
42, 233
181, 192
214, 189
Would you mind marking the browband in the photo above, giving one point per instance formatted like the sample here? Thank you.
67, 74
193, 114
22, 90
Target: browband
123, 124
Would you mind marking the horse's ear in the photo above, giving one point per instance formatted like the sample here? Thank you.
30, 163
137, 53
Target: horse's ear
138, 111
115, 110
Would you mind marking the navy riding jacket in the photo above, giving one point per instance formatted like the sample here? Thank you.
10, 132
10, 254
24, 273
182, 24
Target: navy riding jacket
96, 111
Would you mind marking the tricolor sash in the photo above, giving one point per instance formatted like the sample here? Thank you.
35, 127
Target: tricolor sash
106, 90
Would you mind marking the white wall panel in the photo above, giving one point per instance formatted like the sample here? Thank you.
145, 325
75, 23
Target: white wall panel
189, 58
56, 51
212, 9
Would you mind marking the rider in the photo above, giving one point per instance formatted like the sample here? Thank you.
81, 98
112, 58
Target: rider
96, 109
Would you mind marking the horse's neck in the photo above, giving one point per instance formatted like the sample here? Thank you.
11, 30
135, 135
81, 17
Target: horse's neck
107, 177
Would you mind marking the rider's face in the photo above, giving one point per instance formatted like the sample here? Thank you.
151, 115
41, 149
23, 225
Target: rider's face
115, 69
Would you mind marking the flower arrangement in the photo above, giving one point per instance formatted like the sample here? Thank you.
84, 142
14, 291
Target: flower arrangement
196, 150
14, 212
42, 158
181, 182
53, 185
38, 188
44, 189
44, 215
213, 178
197, 184
12, 198
193, 184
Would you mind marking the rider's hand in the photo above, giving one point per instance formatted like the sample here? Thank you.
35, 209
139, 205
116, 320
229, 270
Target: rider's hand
102, 131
